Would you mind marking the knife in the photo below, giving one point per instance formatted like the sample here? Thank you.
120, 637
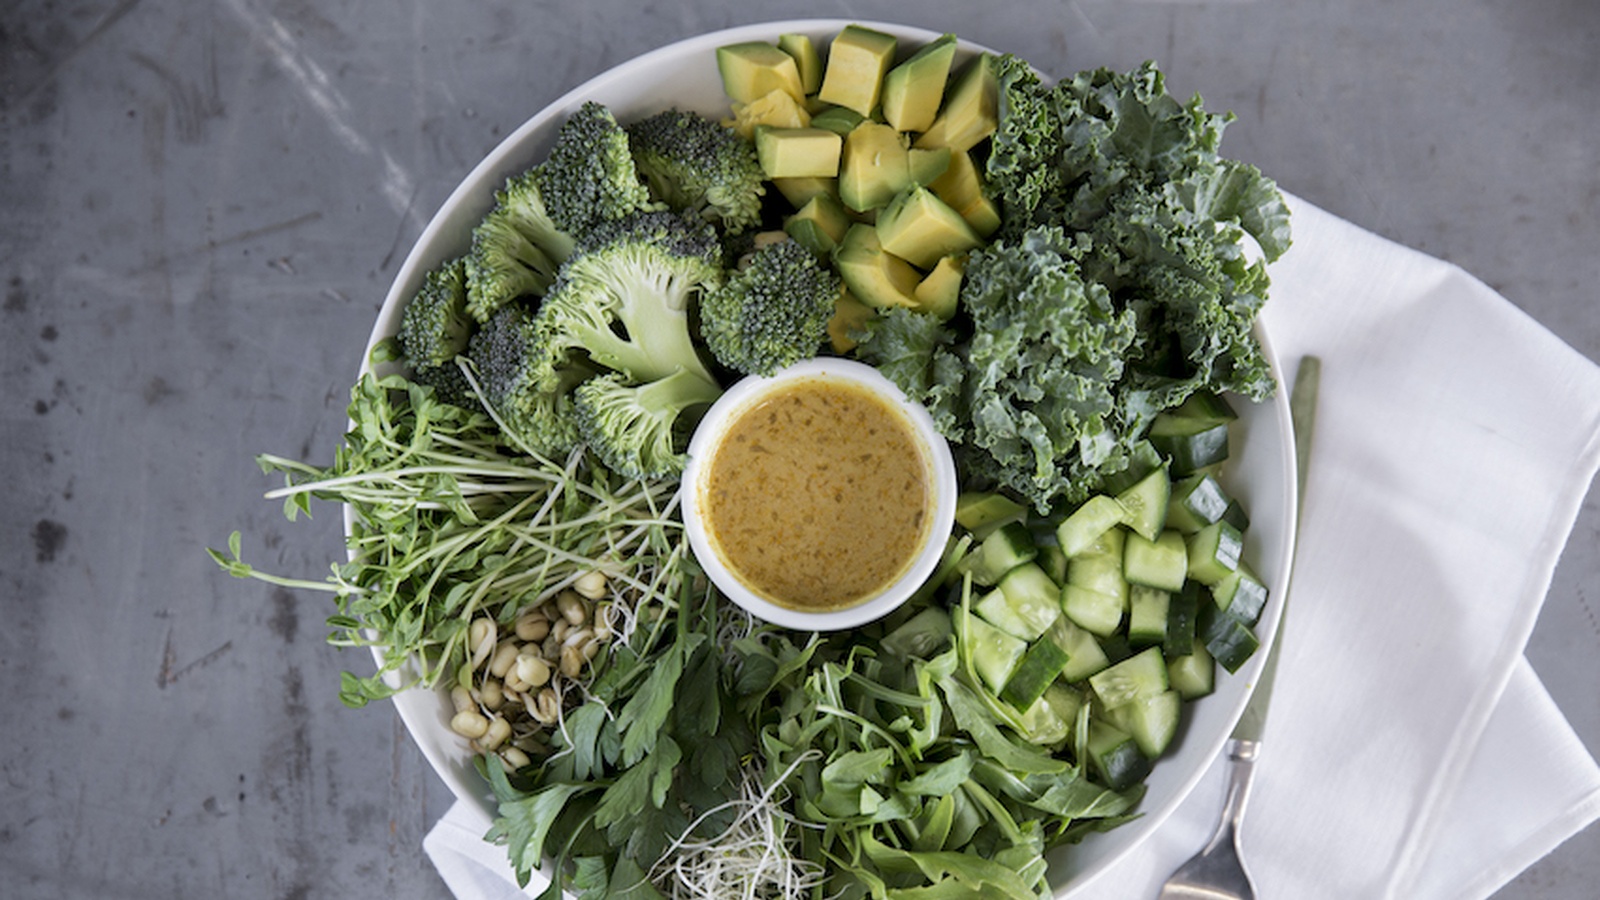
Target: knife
1302, 417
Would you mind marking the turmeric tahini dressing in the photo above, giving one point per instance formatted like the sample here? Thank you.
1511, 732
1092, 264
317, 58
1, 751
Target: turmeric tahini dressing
818, 495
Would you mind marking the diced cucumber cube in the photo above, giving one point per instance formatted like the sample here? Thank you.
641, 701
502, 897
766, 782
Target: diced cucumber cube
1229, 640
1189, 444
1115, 756
920, 636
1002, 550
1143, 458
1084, 655
1115, 646
1140, 675
1065, 700
1038, 669
1196, 502
1206, 406
1183, 611
1151, 720
1162, 563
1145, 504
1237, 516
1089, 609
1040, 724
980, 512
1214, 552
1242, 594
1033, 596
1078, 533
994, 653
1147, 615
1100, 572
1053, 561
1193, 674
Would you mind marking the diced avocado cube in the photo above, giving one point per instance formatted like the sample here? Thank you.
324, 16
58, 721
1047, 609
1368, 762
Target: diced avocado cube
837, 119
914, 89
939, 293
799, 191
807, 60
798, 152
858, 58
961, 182
850, 316
971, 108
820, 224
776, 109
752, 69
877, 278
924, 166
983, 215
920, 228
874, 166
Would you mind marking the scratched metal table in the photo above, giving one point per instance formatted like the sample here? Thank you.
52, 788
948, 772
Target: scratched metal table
202, 205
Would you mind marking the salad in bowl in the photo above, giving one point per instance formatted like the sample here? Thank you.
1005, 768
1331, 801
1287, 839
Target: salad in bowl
1062, 277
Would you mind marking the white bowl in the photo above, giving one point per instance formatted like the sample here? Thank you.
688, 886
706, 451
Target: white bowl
1261, 472
748, 392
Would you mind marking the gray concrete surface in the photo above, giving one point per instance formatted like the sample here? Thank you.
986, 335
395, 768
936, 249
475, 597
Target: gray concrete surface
202, 205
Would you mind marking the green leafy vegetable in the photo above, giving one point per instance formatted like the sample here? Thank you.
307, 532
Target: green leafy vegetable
452, 520
1119, 285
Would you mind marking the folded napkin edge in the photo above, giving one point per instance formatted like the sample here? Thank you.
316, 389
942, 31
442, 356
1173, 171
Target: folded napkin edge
1458, 755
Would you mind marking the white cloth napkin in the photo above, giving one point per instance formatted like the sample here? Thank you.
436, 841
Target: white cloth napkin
1411, 751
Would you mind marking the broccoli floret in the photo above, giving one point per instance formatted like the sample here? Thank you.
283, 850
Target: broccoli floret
699, 166
516, 248
589, 176
623, 299
435, 325
772, 311
529, 390
434, 329
640, 430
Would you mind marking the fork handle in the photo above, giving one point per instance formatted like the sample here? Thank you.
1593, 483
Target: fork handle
1241, 771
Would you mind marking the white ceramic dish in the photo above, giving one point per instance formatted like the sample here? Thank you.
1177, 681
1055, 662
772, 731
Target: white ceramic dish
941, 478
1261, 472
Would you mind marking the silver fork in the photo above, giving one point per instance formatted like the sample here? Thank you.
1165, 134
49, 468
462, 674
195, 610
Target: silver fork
1218, 871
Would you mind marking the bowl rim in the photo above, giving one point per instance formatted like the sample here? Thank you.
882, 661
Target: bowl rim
417, 709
